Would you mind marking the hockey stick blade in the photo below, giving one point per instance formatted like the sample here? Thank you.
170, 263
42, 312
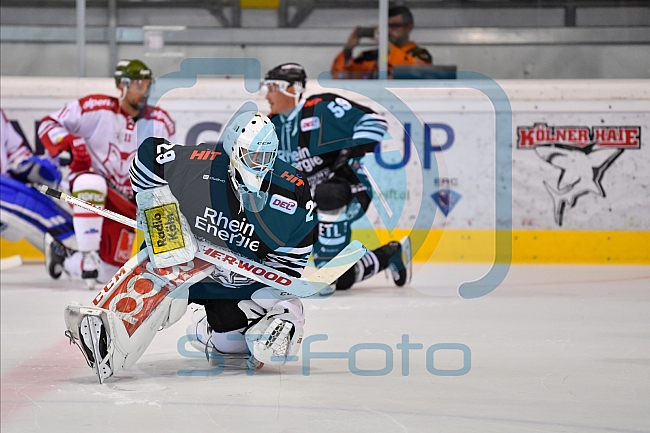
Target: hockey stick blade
232, 262
336, 267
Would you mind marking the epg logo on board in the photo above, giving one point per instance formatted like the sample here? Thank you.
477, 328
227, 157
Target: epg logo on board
583, 154
445, 197
283, 204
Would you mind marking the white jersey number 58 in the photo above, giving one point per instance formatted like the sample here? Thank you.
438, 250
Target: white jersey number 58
338, 107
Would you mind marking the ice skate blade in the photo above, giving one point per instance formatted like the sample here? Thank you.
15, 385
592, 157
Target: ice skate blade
91, 334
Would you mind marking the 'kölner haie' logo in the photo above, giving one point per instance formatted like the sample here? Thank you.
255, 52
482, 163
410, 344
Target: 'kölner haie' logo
582, 154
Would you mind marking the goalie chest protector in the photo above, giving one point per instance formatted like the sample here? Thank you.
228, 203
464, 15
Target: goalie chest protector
199, 179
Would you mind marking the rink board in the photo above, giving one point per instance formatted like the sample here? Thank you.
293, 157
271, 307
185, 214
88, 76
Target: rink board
580, 165
479, 246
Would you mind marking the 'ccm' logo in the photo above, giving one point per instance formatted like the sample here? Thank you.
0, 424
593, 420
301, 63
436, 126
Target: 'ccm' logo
283, 204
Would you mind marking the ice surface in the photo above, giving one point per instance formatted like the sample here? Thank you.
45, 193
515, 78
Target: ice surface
553, 349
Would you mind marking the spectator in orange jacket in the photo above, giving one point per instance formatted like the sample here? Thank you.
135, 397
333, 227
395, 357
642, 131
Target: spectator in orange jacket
401, 51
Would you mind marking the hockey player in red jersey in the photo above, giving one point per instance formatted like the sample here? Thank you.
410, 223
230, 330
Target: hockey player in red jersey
325, 136
99, 136
235, 195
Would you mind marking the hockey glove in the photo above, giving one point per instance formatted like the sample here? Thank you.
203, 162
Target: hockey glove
79, 157
36, 170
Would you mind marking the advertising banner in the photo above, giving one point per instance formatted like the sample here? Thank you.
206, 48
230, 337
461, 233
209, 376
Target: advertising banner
580, 164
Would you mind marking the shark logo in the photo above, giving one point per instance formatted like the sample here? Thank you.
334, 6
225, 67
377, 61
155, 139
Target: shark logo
581, 174
581, 154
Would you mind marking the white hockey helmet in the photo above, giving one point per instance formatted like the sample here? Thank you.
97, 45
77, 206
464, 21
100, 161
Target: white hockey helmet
252, 145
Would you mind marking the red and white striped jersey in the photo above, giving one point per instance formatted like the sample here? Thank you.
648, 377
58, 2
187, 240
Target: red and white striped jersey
112, 136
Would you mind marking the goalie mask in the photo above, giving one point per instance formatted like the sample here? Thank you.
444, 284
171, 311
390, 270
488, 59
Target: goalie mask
252, 144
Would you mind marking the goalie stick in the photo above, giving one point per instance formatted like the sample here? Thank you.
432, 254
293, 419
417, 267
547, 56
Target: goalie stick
229, 261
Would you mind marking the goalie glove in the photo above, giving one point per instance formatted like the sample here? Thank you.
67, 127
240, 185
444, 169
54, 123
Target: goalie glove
275, 338
274, 341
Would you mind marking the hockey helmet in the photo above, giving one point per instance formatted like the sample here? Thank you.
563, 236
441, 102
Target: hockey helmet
285, 75
127, 70
251, 143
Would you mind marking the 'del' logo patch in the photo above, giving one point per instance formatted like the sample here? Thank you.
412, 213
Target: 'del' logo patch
164, 225
283, 204
309, 124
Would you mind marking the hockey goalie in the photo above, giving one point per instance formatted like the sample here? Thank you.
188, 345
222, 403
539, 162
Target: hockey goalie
233, 195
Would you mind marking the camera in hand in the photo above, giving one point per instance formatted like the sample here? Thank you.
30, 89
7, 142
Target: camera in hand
365, 32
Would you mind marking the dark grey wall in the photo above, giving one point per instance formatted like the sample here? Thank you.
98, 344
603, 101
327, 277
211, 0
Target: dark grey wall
504, 43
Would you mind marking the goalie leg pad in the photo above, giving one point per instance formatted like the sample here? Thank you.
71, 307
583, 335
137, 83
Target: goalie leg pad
221, 348
137, 302
177, 309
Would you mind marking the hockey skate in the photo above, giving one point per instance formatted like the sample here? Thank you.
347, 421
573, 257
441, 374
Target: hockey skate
55, 255
90, 263
399, 260
87, 330
199, 334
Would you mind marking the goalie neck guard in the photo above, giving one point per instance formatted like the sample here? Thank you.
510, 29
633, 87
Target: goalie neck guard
252, 145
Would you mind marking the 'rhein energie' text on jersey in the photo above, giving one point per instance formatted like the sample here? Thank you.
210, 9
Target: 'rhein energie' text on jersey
281, 235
